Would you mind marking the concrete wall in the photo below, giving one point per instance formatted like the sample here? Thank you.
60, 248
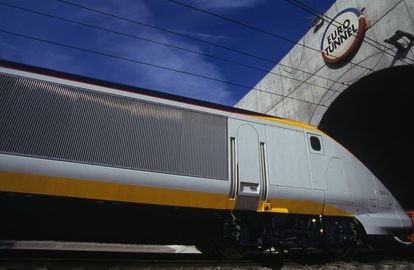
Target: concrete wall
302, 98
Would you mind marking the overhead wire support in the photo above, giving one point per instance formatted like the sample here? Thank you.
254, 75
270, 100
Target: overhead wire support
314, 12
254, 28
198, 40
167, 45
148, 64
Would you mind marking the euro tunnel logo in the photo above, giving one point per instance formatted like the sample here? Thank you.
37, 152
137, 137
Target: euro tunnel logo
343, 36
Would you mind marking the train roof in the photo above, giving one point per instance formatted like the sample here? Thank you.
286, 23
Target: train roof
148, 92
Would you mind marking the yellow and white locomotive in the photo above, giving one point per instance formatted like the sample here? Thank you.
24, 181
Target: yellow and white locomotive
88, 160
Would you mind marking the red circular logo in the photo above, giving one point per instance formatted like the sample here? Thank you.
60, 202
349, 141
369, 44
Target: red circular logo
343, 35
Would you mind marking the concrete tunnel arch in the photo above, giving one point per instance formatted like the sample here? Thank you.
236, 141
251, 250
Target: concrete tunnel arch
372, 118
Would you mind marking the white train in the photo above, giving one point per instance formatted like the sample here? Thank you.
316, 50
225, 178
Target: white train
88, 160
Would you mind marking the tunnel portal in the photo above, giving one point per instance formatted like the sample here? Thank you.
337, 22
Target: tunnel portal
372, 118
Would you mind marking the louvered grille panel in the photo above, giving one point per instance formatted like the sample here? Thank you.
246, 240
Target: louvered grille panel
54, 121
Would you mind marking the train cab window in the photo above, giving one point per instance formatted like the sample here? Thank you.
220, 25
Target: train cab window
315, 144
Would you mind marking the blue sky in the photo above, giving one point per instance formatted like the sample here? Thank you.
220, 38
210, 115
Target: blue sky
276, 16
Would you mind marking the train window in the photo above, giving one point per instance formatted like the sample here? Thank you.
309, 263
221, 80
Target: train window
315, 143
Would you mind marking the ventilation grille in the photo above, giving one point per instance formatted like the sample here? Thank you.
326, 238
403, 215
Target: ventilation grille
54, 121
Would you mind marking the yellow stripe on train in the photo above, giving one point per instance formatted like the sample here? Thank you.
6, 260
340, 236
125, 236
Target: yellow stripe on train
88, 189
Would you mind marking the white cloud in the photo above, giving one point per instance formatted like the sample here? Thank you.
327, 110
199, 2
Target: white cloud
121, 71
204, 36
175, 82
162, 79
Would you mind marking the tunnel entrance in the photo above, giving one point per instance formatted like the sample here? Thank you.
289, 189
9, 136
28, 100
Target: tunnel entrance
372, 119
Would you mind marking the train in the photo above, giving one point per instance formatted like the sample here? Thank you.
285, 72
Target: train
83, 159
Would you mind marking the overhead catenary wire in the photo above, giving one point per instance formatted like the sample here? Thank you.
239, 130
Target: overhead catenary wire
317, 13
264, 32
216, 45
148, 64
336, 23
314, 12
194, 39
166, 44
167, 31
253, 28
242, 24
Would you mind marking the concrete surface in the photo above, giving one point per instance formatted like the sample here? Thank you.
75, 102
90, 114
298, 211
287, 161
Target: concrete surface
308, 103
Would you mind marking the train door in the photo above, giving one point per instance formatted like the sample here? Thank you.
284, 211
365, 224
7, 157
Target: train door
248, 164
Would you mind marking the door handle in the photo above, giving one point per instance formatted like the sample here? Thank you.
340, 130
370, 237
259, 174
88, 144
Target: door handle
249, 188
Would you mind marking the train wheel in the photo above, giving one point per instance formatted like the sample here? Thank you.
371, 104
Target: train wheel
342, 237
340, 251
228, 249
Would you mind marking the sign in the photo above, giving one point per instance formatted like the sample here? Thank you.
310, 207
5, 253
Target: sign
343, 35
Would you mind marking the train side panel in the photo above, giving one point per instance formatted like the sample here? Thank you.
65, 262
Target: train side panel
66, 139
291, 186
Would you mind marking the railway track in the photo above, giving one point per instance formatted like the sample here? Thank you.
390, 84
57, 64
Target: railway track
76, 260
